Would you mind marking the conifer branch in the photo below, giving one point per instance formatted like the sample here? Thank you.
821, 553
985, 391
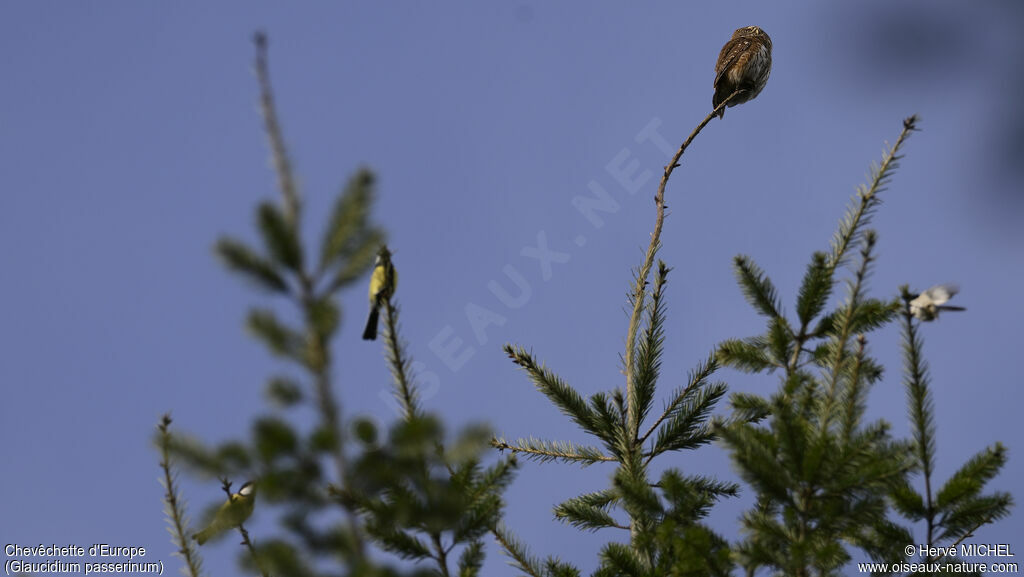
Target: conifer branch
746, 408
674, 482
814, 290
279, 153
651, 349
688, 428
481, 489
638, 300
965, 484
440, 553
347, 242
283, 245
957, 508
609, 419
697, 378
638, 296
757, 287
581, 514
863, 204
964, 537
518, 553
747, 355
838, 361
546, 451
567, 399
278, 337
855, 391
813, 295
174, 505
316, 352
330, 412
921, 406
624, 560
472, 559
239, 258
398, 362
252, 550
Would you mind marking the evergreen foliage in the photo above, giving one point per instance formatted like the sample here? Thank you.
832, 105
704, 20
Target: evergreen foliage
819, 472
174, 504
663, 517
825, 480
339, 494
353, 500
952, 513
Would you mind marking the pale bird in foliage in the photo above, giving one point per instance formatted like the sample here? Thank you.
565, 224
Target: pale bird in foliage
926, 306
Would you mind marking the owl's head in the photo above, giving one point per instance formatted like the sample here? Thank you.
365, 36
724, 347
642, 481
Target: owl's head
752, 32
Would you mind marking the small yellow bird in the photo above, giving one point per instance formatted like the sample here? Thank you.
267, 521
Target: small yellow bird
382, 285
231, 514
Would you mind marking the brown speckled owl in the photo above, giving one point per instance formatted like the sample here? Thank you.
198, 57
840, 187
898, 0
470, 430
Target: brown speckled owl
744, 64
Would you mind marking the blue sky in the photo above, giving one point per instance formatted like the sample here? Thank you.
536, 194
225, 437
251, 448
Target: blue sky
130, 141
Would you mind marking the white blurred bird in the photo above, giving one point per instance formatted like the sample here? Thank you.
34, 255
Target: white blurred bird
928, 304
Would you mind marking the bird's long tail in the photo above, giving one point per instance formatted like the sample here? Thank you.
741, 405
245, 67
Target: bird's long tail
370, 332
203, 536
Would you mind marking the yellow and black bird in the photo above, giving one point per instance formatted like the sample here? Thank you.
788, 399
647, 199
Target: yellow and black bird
231, 514
382, 285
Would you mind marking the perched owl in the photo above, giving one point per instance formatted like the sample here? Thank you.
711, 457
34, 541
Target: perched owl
743, 64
